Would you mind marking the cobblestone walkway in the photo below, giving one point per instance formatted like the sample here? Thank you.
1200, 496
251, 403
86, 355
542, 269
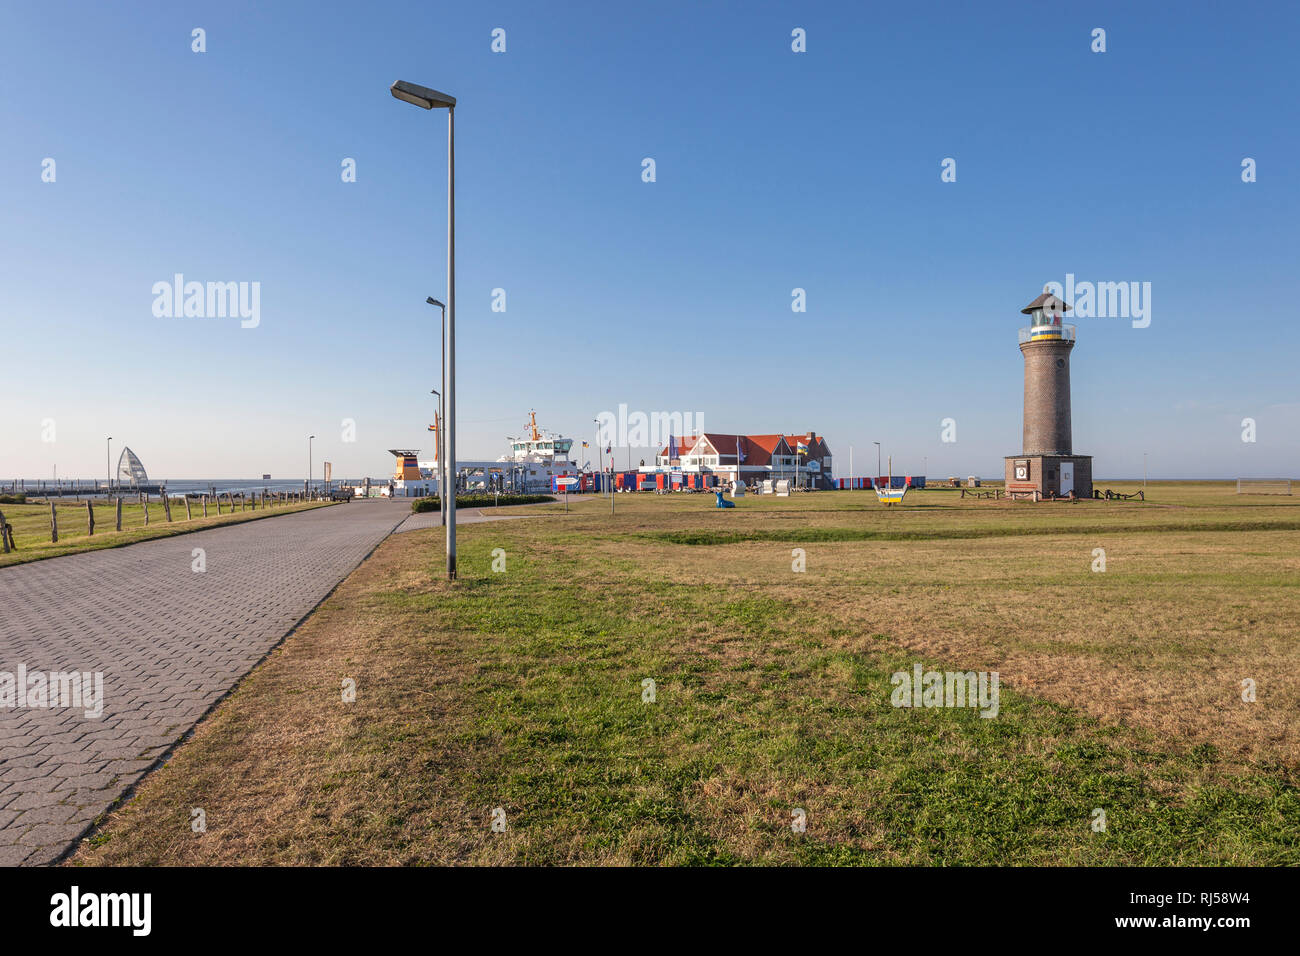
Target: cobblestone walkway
169, 640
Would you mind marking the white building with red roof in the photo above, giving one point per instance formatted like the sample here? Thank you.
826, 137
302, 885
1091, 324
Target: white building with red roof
802, 459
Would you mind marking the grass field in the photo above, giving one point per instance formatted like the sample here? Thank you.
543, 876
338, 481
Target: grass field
31, 523
1121, 691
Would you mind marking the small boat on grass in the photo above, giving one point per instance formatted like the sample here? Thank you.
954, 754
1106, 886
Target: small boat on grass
889, 494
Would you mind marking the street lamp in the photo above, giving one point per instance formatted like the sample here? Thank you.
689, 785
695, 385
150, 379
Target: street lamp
108, 464
309, 438
428, 99
442, 417
437, 453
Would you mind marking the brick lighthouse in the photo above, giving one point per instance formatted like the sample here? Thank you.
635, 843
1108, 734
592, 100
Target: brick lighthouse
1048, 467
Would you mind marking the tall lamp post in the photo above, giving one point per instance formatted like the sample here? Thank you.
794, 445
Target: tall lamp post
437, 440
428, 99
309, 438
108, 464
442, 416
877, 478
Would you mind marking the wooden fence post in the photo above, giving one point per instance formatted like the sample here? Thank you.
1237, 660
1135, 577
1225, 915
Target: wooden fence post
119, 512
54, 525
4, 532
167, 506
187, 508
144, 501
90, 519
205, 506
218, 504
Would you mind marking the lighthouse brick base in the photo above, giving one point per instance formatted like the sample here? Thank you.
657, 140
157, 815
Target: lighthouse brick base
1042, 473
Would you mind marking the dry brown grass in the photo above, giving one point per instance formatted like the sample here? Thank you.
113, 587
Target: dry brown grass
1162, 639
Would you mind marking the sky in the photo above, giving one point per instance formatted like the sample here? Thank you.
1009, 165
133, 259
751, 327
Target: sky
774, 170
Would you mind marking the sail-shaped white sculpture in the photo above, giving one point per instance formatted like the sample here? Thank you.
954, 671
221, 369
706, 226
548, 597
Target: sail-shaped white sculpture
130, 472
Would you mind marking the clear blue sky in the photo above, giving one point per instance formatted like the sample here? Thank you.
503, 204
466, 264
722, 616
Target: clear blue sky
775, 170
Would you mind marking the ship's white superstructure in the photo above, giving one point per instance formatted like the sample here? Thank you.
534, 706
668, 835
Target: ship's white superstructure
533, 461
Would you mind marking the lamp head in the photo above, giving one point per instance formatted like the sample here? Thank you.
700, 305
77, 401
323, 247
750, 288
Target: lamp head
421, 96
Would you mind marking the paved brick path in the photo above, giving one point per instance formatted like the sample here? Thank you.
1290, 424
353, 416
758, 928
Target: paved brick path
169, 641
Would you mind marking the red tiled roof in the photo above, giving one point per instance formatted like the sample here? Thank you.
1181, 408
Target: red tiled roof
725, 445
768, 443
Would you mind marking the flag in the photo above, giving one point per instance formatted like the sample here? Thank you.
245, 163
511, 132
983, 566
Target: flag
801, 448
433, 428
740, 455
672, 447
585, 445
609, 449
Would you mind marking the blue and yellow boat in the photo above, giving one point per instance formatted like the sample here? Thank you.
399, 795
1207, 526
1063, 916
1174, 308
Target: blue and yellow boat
889, 494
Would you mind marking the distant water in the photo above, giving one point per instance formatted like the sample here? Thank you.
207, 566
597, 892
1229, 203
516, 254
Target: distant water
195, 486
236, 485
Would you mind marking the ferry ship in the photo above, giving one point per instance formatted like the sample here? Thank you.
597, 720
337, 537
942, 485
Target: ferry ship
534, 460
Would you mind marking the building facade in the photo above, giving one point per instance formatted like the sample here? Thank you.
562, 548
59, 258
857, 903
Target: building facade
804, 460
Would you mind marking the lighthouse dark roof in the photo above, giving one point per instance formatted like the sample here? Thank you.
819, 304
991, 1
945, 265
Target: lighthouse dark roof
1048, 303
